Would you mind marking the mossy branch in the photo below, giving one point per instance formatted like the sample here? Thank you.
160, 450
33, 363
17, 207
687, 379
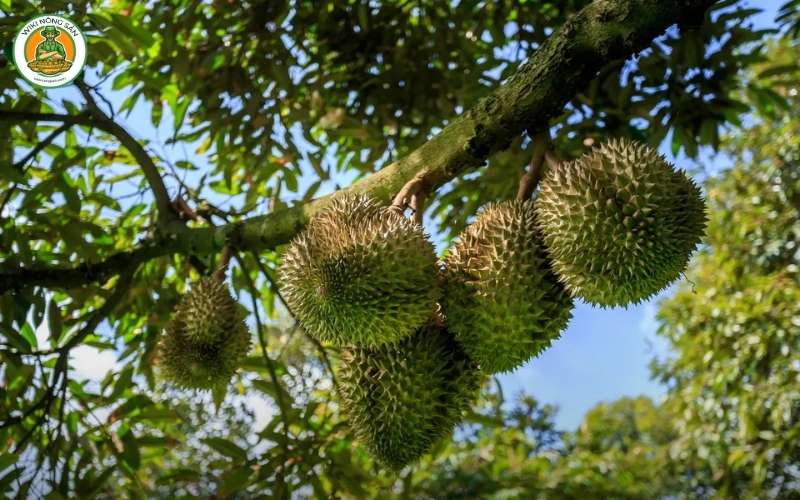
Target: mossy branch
604, 31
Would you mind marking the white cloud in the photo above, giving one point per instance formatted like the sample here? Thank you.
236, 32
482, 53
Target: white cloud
262, 410
91, 363
42, 335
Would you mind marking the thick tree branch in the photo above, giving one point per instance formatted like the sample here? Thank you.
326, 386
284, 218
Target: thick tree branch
13, 277
603, 31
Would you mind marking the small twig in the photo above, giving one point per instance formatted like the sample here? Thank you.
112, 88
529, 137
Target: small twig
530, 179
111, 303
60, 424
166, 213
10, 421
21, 165
273, 375
42, 144
320, 348
46, 401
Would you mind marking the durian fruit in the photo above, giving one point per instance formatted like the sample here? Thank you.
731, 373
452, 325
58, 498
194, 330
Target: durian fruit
206, 339
360, 274
501, 298
401, 399
207, 310
619, 223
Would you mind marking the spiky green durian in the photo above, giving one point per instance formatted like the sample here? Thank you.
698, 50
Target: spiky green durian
501, 298
206, 311
206, 339
401, 399
360, 274
619, 223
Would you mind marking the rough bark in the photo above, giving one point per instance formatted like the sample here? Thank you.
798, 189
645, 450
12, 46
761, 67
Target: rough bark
604, 31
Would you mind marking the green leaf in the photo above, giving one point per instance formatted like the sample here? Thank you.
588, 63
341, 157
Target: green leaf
156, 112
29, 335
218, 394
54, 324
9, 173
234, 480
135, 403
179, 475
130, 450
137, 33
179, 113
124, 381
227, 448
89, 489
779, 70
7, 460
70, 194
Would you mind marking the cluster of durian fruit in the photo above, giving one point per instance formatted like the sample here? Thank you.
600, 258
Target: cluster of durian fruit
418, 336
612, 228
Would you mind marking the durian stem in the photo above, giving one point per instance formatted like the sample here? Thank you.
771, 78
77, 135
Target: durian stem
530, 179
418, 206
551, 158
403, 197
224, 260
412, 196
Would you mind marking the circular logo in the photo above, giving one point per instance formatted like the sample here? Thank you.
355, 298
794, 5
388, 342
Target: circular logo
49, 51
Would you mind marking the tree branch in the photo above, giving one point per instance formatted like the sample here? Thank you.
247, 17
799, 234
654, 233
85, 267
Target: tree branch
9, 115
13, 277
603, 31
62, 364
94, 117
166, 213
42, 144
21, 164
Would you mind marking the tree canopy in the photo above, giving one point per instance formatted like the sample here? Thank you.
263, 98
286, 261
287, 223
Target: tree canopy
203, 126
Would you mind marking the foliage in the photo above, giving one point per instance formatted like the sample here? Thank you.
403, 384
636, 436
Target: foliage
736, 328
618, 452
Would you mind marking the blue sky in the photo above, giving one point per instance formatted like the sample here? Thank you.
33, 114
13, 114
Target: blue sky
603, 354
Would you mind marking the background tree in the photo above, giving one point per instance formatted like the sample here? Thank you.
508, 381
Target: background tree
260, 108
734, 327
